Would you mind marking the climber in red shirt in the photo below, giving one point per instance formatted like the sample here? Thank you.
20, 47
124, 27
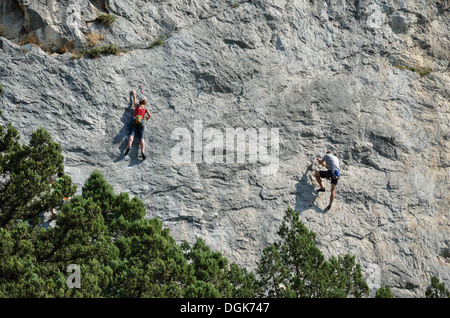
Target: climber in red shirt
137, 127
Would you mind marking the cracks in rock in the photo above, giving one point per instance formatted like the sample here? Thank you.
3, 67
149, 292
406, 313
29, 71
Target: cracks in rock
170, 189
238, 208
183, 218
356, 236
103, 6
201, 19
12, 10
239, 43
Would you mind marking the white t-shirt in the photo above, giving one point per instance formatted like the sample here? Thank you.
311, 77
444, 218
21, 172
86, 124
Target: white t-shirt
332, 161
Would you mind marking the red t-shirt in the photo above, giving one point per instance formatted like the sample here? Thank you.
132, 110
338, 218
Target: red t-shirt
139, 111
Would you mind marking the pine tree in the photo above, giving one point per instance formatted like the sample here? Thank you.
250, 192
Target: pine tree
118, 251
384, 292
295, 267
436, 289
213, 277
26, 192
26, 171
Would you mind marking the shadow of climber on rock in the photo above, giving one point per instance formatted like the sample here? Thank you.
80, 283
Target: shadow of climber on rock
306, 194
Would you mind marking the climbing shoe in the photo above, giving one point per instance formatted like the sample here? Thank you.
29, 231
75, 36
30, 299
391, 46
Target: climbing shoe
321, 190
328, 208
143, 156
127, 151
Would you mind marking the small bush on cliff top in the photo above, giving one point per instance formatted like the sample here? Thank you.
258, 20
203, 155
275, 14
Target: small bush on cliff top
419, 70
106, 19
98, 50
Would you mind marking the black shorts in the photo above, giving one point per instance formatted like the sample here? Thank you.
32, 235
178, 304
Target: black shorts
328, 174
137, 129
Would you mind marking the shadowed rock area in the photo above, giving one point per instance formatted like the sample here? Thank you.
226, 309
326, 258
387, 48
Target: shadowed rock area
368, 79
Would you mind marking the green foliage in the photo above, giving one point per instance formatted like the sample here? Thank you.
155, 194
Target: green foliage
25, 174
26, 192
295, 267
212, 277
1, 90
120, 253
436, 289
384, 292
106, 19
420, 70
96, 51
159, 41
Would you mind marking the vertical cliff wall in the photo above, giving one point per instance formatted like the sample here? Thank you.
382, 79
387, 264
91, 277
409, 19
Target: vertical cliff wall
368, 79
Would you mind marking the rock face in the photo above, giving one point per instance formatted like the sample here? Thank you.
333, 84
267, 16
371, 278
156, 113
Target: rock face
368, 79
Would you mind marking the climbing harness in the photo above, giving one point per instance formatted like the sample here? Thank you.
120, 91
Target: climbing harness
138, 119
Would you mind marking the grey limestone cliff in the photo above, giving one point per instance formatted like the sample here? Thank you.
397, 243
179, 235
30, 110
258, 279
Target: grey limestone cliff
368, 79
